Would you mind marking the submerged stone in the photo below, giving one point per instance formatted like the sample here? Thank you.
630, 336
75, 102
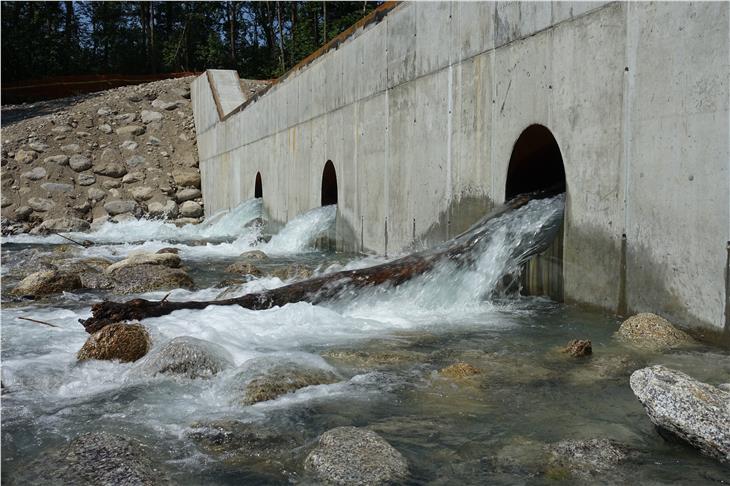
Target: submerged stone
243, 440
459, 371
584, 459
351, 455
694, 412
263, 379
96, 458
188, 357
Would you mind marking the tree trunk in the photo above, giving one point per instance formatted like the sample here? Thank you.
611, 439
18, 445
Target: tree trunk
324, 28
232, 29
281, 36
318, 289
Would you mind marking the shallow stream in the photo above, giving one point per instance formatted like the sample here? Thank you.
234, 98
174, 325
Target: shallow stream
386, 347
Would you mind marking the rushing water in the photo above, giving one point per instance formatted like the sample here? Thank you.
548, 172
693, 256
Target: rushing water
385, 345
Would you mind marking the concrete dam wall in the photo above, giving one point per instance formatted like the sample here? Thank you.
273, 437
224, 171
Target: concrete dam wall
425, 115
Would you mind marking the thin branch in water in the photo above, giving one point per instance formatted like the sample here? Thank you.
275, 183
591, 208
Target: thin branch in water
37, 321
85, 244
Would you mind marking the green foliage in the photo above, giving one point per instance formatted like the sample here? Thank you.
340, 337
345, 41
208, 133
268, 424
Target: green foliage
42, 39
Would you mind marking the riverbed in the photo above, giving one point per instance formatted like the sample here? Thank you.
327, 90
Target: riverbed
386, 347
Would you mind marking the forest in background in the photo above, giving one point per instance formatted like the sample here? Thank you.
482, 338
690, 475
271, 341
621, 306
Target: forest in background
261, 40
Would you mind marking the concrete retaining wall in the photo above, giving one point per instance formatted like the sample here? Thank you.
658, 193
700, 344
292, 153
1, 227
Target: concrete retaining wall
419, 113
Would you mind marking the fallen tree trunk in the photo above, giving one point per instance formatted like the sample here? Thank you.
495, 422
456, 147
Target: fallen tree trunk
318, 289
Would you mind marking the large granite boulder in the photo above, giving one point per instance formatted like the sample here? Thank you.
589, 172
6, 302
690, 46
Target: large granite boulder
120, 341
682, 407
351, 455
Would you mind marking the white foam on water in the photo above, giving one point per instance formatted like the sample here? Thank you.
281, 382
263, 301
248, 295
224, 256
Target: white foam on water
222, 236
224, 225
41, 373
300, 233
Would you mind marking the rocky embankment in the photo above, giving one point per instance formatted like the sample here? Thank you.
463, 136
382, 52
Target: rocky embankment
118, 154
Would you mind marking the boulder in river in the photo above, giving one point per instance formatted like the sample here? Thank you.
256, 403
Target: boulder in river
96, 458
47, 282
352, 455
143, 258
681, 407
653, 332
244, 268
149, 277
253, 255
188, 357
120, 341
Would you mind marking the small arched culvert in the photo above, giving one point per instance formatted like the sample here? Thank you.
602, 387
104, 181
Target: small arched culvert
329, 184
258, 191
537, 164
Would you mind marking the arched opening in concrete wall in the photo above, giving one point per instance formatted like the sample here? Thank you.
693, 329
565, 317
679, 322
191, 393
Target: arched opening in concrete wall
329, 184
258, 191
536, 164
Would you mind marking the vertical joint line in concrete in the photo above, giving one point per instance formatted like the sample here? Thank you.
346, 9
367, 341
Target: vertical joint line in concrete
630, 54
727, 288
386, 237
622, 306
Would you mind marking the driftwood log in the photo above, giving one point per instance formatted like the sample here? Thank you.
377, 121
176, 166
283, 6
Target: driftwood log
318, 289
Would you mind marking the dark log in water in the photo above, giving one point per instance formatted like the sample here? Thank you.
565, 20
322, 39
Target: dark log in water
318, 289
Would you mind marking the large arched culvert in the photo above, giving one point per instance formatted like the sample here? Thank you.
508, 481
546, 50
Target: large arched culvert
329, 184
258, 191
536, 164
